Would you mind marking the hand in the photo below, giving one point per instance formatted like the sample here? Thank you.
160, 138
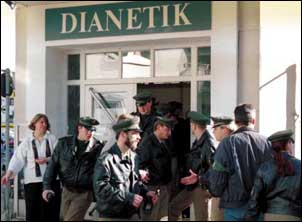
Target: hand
42, 160
44, 194
154, 196
192, 179
137, 201
144, 175
8, 175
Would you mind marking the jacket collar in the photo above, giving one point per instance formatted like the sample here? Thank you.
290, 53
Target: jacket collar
46, 136
117, 152
204, 136
243, 129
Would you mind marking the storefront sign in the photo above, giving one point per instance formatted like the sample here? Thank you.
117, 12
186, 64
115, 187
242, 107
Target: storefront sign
129, 18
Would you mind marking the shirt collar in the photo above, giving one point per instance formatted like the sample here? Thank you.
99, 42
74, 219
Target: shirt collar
46, 135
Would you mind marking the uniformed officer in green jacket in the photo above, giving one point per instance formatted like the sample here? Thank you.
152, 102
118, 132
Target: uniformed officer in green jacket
73, 161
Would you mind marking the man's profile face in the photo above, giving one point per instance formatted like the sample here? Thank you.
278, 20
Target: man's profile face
132, 140
145, 108
84, 133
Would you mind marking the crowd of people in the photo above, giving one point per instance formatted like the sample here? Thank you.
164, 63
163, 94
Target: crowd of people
152, 173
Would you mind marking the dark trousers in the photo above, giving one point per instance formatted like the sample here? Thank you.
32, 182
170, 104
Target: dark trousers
36, 208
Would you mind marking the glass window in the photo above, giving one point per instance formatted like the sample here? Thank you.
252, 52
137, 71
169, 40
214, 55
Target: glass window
73, 67
103, 65
204, 61
173, 62
73, 108
204, 98
136, 64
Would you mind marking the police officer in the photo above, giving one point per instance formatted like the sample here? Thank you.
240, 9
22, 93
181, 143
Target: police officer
118, 191
236, 162
277, 188
73, 160
198, 161
146, 112
155, 166
223, 126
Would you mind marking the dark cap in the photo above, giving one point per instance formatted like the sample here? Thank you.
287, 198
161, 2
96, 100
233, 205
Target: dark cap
126, 124
88, 122
175, 108
221, 120
198, 118
281, 136
167, 122
244, 113
142, 98
163, 109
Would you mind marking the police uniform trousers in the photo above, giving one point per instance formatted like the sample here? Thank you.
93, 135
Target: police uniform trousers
185, 198
216, 213
75, 204
280, 217
160, 209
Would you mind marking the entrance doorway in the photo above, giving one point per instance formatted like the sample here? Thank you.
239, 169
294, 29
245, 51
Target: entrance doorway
168, 92
164, 94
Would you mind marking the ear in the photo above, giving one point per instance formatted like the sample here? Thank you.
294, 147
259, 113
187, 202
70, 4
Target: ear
253, 121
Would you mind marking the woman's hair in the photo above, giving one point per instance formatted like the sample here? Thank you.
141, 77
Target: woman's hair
285, 167
36, 118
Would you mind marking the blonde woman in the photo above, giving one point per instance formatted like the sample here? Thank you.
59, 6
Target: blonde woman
32, 155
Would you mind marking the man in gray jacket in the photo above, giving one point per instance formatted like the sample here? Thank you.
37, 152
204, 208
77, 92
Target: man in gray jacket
236, 162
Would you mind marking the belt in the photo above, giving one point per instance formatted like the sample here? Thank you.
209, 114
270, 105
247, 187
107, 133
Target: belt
76, 190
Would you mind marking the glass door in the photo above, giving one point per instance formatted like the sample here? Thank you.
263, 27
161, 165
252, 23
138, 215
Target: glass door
105, 103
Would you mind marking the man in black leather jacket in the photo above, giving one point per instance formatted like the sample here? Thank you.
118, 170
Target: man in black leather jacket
73, 161
277, 188
117, 186
155, 166
197, 161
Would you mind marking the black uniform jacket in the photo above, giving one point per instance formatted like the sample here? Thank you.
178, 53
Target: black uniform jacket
116, 181
75, 173
276, 194
156, 158
200, 157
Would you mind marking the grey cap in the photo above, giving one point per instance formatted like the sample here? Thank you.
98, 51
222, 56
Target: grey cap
88, 122
221, 120
198, 118
127, 124
281, 136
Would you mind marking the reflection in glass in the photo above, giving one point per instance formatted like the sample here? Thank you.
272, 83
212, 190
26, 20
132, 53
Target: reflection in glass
204, 61
113, 103
73, 67
102, 66
204, 98
73, 108
173, 62
136, 64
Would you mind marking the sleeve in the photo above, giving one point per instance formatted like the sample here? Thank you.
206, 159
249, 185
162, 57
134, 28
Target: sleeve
104, 188
52, 169
210, 154
256, 202
219, 172
143, 154
54, 142
18, 160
